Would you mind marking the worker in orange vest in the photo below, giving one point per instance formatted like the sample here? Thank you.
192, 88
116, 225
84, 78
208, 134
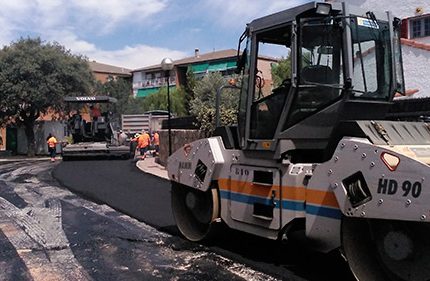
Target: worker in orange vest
156, 142
143, 143
52, 143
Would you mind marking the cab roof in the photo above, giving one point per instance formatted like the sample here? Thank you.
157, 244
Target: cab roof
85, 99
285, 16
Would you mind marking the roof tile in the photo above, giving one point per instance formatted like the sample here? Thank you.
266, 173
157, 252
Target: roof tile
106, 68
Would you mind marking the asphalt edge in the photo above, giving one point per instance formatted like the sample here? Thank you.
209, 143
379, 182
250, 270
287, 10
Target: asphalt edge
150, 166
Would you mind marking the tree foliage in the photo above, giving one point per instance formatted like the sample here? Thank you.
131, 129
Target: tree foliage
119, 88
189, 89
281, 71
158, 101
203, 104
34, 78
128, 104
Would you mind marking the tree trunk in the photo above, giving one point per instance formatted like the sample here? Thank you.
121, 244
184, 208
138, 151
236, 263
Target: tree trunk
31, 142
28, 117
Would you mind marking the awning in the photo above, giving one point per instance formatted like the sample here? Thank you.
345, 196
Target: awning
146, 92
212, 67
198, 68
221, 66
231, 64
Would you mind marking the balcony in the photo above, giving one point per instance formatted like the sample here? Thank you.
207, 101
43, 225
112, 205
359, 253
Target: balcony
154, 83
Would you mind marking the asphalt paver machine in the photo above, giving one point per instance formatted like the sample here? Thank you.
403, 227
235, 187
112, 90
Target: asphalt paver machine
97, 136
316, 153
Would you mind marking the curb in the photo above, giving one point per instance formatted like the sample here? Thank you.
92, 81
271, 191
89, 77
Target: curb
149, 166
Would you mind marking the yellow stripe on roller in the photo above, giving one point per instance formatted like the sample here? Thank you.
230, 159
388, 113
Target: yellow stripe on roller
319, 197
295, 193
247, 188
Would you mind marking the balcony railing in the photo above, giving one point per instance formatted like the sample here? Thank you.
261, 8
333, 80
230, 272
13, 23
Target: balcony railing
152, 83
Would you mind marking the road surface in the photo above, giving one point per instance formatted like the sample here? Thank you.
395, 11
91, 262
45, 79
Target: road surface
146, 197
48, 233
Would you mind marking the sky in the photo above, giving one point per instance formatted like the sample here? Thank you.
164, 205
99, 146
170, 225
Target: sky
134, 33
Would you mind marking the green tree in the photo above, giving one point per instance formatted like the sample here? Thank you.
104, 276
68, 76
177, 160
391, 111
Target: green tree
281, 71
120, 89
203, 104
34, 78
189, 89
134, 106
158, 101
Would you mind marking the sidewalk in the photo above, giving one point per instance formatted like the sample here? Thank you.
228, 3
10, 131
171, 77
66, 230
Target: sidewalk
151, 167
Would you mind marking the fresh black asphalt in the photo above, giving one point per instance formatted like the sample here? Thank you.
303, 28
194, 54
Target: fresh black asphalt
119, 184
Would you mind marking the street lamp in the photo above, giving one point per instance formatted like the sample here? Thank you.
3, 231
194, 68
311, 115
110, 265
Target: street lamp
167, 66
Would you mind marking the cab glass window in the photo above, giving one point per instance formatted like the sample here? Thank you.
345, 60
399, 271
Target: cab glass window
272, 81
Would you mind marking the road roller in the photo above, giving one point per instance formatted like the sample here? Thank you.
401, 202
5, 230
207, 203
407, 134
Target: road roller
315, 152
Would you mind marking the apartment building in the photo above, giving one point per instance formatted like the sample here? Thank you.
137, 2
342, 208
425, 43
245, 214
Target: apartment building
149, 80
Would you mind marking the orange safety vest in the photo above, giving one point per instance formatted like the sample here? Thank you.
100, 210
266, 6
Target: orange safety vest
52, 141
156, 139
143, 140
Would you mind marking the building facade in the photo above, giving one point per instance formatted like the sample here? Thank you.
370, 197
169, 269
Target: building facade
150, 79
415, 15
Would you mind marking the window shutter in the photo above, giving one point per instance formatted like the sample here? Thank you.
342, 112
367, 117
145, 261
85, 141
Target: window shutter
404, 29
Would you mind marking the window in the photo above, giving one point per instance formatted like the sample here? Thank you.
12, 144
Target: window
365, 81
372, 59
420, 27
416, 28
272, 83
427, 26
320, 68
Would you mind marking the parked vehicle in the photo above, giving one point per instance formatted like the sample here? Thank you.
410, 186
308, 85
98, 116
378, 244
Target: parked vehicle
316, 154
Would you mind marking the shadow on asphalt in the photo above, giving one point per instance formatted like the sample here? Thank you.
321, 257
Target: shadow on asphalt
12, 266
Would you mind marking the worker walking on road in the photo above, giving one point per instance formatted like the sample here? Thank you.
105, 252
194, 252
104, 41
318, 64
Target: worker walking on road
143, 143
52, 143
156, 143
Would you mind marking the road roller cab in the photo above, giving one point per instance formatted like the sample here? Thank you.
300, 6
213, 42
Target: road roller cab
314, 151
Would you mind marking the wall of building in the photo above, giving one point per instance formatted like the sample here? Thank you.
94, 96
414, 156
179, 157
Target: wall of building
151, 81
399, 8
41, 132
105, 77
265, 66
417, 70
